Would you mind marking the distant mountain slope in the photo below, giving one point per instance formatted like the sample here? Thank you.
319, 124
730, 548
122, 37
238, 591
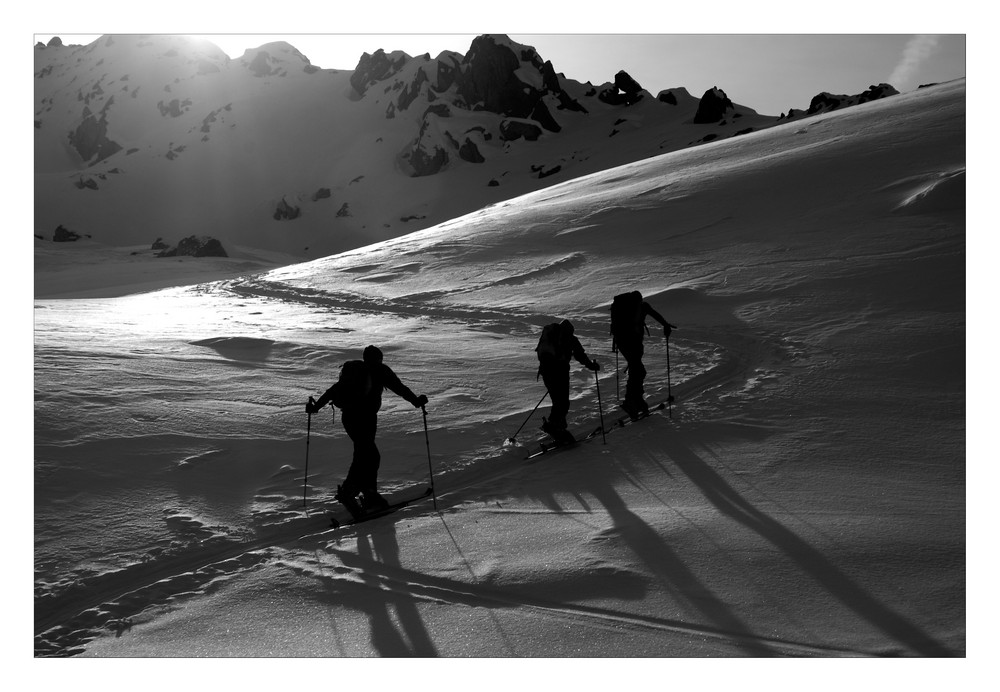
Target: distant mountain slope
146, 137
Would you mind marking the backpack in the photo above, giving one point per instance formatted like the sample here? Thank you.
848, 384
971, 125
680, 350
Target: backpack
548, 342
627, 320
353, 385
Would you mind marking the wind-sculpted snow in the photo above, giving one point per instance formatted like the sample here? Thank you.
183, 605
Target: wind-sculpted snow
803, 495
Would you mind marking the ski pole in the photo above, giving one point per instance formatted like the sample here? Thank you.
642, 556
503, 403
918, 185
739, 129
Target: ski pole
309, 420
670, 395
514, 437
600, 407
427, 439
618, 385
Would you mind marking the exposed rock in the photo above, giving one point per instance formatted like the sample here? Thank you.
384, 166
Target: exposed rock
373, 68
344, 210
90, 139
427, 163
667, 97
284, 210
826, 101
158, 244
489, 78
713, 107
322, 193
196, 246
64, 235
470, 152
515, 129
175, 108
86, 183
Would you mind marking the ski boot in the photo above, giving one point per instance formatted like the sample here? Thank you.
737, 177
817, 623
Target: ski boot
350, 502
371, 501
633, 410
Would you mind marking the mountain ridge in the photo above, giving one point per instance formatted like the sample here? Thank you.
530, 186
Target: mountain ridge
146, 137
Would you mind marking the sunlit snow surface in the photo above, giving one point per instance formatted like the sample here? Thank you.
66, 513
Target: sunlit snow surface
805, 496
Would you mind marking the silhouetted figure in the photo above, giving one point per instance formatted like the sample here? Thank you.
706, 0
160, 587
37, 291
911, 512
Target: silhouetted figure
556, 346
358, 393
628, 323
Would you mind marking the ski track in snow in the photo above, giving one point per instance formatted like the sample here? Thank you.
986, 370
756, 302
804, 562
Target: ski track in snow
77, 612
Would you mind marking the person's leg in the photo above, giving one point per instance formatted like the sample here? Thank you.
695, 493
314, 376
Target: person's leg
632, 352
363, 474
557, 382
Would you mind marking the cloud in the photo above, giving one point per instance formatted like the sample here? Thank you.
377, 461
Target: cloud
917, 50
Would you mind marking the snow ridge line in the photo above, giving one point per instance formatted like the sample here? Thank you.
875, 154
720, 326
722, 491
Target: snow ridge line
254, 287
440, 589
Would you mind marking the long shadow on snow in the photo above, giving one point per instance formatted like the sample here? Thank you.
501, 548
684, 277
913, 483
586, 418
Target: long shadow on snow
811, 560
666, 564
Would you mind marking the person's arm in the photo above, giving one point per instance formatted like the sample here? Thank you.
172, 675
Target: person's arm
582, 356
393, 384
647, 309
323, 400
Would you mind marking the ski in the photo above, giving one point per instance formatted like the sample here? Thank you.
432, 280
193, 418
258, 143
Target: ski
625, 420
554, 445
378, 513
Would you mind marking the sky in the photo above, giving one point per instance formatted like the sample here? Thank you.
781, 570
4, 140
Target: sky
770, 73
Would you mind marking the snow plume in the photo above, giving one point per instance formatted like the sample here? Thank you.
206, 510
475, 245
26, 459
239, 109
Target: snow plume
917, 50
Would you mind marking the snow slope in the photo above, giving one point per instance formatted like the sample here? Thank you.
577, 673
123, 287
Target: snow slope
804, 497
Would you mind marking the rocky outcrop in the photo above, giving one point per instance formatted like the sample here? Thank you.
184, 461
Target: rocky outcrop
90, 138
64, 235
196, 246
470, 152
624, 92
375, 67
713, 107
511, 130
427, 161
826, 101
284, 210
158, 244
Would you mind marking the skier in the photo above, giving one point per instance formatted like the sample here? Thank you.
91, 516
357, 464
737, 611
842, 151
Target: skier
628, 322
358, 393
556, 346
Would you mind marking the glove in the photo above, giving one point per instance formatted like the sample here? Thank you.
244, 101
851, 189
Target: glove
666, 331
311, 406
421, 401
594, 365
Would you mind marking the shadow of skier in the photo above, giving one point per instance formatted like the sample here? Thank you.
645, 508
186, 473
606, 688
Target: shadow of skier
411, 637
724, 497
672, 571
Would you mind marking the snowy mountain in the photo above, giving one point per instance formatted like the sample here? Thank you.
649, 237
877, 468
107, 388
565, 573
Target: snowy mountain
804, 496
140, 138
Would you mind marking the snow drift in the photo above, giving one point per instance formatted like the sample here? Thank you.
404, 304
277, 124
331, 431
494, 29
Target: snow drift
804, 497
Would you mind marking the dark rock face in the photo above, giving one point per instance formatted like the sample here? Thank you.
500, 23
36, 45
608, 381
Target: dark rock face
667, 97
90, 139
158, 244
373, 68
713, 107
64, 235
826, 101
196, 246
427, 163
488, 78
624, 92
515, 129
470, 152
284, 210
